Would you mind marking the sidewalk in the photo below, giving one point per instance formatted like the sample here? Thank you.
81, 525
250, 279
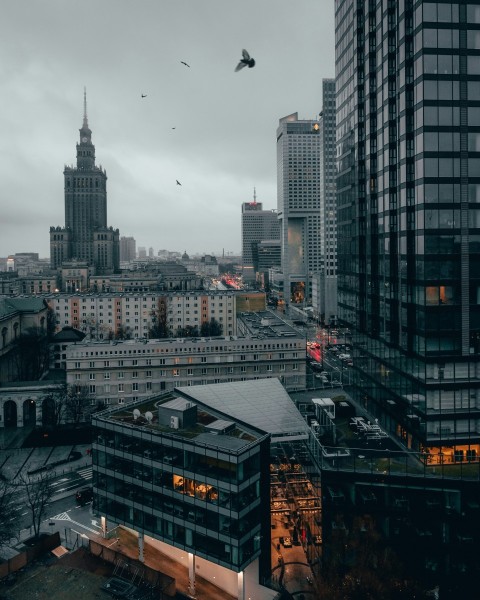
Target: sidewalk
28, 459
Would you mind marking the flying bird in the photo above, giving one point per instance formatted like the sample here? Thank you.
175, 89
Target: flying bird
184, 63
246, 61
144, 95
178, 183
173, 127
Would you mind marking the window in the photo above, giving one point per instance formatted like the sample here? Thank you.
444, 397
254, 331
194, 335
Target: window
77, 376
135, 387
92, 389
135, 375
176, 372
106, 363
148, 374
269, 368
120, 387
77, 365
106, 375
149, 386
91, 376
92, 364
121, 374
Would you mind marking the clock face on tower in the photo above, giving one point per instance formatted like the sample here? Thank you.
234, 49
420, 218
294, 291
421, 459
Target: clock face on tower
84, 139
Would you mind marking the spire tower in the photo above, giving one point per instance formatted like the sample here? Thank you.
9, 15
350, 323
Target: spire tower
85, 118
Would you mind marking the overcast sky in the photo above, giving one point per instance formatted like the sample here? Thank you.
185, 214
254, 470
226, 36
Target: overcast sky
223, 143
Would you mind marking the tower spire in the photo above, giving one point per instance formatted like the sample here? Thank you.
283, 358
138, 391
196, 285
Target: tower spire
85, 119
254, 195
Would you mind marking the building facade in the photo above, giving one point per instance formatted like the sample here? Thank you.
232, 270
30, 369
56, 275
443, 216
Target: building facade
119, 372
128, 249
298, 196
103, 315
257, 225
408, 125
86, 236
326, 305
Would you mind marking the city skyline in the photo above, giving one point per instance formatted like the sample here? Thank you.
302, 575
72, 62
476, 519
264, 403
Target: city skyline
205, 125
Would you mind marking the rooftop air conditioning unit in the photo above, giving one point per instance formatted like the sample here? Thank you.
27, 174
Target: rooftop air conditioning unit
174, 422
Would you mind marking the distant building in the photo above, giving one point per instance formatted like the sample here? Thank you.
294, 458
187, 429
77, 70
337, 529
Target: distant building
257, 225
135, 314
142, 252
326, 306
298, 194
86, 236
128, 250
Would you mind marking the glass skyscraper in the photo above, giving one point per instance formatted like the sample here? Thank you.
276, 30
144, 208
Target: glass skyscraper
298, 197
408, 216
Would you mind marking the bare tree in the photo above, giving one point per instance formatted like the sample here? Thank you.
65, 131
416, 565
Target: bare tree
31, 354
38, 491
78, 404
8, 523
68, 404
54, 405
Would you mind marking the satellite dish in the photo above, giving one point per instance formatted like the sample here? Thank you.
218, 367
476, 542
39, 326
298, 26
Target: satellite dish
149, 416
136, 414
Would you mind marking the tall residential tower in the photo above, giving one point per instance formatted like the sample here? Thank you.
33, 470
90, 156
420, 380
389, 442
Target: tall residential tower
408, 188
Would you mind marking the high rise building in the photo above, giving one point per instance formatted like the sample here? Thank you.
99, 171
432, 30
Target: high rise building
298, 194
86, 238
257, 225
408, 186
128, 249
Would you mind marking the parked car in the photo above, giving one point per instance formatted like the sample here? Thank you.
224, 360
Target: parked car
84, 496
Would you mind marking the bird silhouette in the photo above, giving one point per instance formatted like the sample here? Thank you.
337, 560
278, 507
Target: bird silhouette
144, 95
173, 127
184, 63
178, 183
246, 61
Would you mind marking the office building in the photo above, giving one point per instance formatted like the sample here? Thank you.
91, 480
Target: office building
128, 252
86, 236
257, 225
408, 160
326, 301
298, 195
192, 470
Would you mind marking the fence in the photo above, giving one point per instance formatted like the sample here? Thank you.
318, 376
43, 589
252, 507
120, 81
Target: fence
29, 554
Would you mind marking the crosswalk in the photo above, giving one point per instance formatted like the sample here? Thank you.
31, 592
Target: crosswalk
86, 473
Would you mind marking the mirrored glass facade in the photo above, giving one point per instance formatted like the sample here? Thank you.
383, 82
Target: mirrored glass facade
408, 187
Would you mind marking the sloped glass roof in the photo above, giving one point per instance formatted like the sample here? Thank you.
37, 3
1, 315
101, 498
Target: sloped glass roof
261, 403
